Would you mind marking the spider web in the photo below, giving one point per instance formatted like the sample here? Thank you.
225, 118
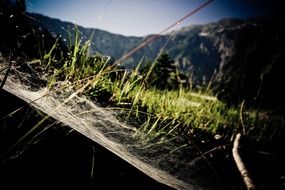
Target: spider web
102, 125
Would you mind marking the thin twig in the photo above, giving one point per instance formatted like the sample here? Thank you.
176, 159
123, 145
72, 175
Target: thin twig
240, 165
92, 165
241, 116
221, 147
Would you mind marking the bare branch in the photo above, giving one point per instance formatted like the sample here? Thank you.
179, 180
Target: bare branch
240, 165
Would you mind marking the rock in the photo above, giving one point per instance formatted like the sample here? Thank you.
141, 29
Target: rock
256, 68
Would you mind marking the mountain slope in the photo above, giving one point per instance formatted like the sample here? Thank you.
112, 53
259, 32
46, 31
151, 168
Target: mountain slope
255, 69
203, 47
237, 54
104, 42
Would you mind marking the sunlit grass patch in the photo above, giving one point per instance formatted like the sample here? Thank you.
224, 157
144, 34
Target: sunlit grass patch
156, 112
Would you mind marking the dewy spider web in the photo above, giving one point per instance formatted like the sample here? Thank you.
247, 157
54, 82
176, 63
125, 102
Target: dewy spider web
165, 162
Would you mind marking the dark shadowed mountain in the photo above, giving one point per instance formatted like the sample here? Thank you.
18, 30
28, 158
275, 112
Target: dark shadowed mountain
254, 69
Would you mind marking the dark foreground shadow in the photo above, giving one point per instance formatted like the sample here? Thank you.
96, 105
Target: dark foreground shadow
59, 158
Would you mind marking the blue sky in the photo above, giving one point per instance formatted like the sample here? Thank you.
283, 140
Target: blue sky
142, 17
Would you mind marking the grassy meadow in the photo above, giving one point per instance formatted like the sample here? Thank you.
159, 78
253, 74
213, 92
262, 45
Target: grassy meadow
166, 113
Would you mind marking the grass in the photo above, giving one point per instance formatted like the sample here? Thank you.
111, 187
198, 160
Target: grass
153, 111
159, 115
179, 122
